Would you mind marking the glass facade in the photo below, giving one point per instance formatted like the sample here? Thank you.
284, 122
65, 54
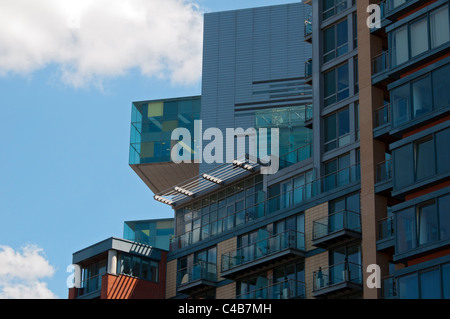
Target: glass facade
152, 123
419, 97
422, 159
419, 36
422, 224
155, 233
290, 121
429, 283
139, 267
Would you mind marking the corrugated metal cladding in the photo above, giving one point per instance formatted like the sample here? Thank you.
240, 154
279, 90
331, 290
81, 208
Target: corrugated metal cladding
263, 45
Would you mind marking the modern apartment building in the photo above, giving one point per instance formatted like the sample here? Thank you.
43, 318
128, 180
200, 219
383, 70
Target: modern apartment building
363, 114
367, 185
130, 268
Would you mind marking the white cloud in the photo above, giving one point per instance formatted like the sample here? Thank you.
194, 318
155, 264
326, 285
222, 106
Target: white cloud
91, 40
21, 273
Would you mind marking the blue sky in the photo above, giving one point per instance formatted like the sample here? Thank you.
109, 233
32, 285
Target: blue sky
64, 136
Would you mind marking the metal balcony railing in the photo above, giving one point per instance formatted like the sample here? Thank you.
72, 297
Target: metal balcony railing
91, 284
308, 68
382, 116
383, 171
308, 26
281, 290
342, 220
380, 63
386, 228
269, 206
296, 156
200, 271
336, 274
289, 239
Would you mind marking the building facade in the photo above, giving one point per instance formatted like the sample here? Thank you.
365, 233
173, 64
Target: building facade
372, 187
359, 205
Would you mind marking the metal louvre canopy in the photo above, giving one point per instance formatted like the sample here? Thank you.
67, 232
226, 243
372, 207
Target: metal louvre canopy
217, 176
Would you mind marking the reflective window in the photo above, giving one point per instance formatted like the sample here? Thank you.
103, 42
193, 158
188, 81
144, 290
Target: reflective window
336, 85
337, 129
335, 41
424, 158
408, 287
430, 284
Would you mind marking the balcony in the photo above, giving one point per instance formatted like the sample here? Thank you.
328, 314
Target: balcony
91, 286
383, 177
202, 275
338, 227
288, 289
308, 72
288, 200
381, 120
337, 280
296, 156
389, 288
385, 236
380, 63
286, 245
308, 29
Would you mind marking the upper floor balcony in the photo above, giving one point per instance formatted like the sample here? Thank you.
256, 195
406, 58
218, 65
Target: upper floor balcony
308, 29
413, 41
338, 280
383, 177
287, 289
337, 227
202, 275
288, 244
386, 233
253, 208
308, 71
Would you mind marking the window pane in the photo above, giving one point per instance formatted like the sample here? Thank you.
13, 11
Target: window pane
443, 151
424, 159
343, 85
428, 225
328, 44
441, 83
344, 122
419, 37
408, 287
422, 98
406, 235
330, 83
446, 280
400, 46
330, 128
430, 285
439, 25
444, 217
342, 38
403, 166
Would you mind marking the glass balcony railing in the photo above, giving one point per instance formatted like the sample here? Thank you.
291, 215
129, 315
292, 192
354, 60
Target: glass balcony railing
281, 290
200, 271
295, 196
336, 274
308, 26
382, 116
290, 239
389, 288
335, 222
383, 171
380, 63
308, 68
386, 228
91, 284
296, 156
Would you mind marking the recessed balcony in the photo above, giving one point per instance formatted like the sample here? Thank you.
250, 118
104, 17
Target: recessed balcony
286, 245
288, 289
337, 280
336, 228
202, 275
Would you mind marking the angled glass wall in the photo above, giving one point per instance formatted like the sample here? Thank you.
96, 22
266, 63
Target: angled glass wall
152, 123
155, 233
